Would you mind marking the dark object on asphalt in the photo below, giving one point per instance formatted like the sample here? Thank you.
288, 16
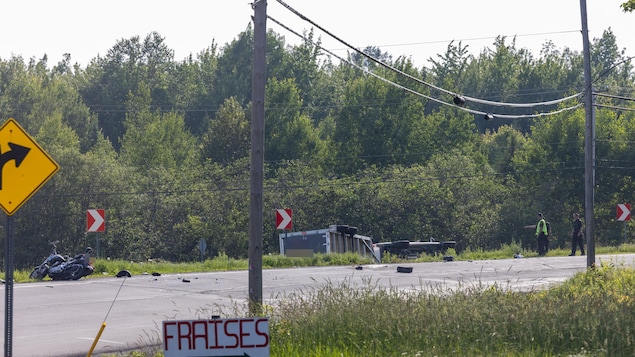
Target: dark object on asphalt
123, 273
156, 274
359, 267
186, 280
448, 258
404, 269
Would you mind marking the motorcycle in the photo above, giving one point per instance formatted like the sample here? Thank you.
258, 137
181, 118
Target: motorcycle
58, 267
73, 269
53, 259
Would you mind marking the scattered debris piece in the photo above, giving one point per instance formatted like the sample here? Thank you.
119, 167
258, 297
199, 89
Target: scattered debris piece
123, 273
404, 269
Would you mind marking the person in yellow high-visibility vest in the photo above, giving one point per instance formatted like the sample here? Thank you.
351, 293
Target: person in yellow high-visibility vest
542, 235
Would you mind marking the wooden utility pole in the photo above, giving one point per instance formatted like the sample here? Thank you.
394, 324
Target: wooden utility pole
257, 156
589, 141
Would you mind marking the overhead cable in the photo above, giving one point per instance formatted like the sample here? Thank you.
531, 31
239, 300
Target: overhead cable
477, 38
613, 96
364, 69
487, 115
472, 99
614, 107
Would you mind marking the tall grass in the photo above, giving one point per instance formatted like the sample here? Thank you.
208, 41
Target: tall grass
592, 314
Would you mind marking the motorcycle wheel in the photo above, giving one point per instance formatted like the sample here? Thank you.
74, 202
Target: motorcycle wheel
39, 272
75, 272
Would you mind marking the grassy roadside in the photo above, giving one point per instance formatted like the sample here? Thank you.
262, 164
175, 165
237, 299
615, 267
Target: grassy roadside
222, 262
592, 314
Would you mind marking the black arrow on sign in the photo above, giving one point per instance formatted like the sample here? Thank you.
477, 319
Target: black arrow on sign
17, 153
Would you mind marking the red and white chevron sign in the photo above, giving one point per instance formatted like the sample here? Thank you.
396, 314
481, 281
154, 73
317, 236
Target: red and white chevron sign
283, 218
623, 212
95, 220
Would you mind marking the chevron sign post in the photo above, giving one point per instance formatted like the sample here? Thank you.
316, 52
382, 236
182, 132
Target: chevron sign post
95, 220
283, 218
623, 212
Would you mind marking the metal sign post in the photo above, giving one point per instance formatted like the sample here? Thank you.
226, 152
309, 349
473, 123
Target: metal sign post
8, 289
202, 247
24, 168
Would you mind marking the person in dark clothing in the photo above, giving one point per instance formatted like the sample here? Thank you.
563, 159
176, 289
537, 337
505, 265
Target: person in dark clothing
542, 235
577, 238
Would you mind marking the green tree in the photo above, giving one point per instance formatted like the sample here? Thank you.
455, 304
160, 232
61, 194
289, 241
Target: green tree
30, 94
551, 168
362, 59
192, 86
234, 72
228, 136
501, 147
449, 68
440, 131
472, 196
495, 75
156, 140
110, 80
301, 63
375, 120
611, 70
615, 133
289, 134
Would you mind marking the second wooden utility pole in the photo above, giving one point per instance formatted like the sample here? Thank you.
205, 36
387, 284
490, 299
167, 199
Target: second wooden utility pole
257, 156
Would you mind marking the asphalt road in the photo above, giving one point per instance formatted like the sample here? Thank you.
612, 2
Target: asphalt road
57, 318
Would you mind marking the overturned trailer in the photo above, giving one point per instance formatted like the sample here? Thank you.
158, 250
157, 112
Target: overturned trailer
335, 239
408, 249
345, 239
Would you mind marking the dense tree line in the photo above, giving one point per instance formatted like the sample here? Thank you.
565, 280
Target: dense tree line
163, 145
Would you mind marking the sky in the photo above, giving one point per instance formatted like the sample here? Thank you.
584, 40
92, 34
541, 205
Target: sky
418, 29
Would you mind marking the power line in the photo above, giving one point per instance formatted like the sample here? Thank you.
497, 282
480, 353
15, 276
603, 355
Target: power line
475, 39
599, 94
503, 116
371, 73
481, 101
613, 107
